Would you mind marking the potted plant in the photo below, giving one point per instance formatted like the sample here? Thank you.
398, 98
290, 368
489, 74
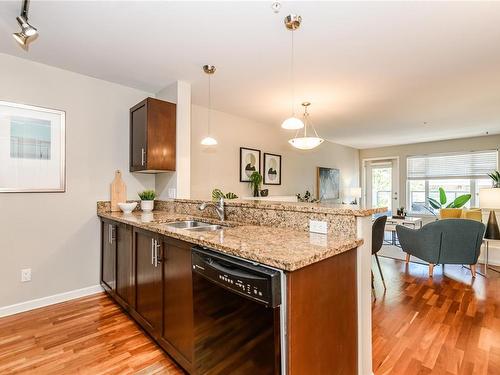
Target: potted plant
218, 194
255, 181
147, 200
495, 176
441, 205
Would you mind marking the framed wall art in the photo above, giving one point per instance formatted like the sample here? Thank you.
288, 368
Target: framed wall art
272, 169
32, 148
328, 184
249, 163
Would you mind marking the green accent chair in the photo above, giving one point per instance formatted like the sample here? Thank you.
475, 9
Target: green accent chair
456, 241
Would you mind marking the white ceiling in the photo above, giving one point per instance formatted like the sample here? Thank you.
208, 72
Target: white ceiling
374, 71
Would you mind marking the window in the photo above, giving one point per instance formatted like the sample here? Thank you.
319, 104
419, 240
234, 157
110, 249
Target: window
381, 186
457, 174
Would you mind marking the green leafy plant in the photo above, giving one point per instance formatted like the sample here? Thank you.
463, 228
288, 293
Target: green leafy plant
255, 181
147, 195
218, 194
459, 201
495, 176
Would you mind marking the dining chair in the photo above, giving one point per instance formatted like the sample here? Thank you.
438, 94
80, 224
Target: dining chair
378, 230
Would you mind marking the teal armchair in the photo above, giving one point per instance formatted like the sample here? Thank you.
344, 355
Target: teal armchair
453, 241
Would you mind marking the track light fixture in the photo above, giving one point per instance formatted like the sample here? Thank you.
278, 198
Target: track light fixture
28, 32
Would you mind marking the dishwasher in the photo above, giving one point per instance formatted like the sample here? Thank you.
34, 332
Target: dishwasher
239, 316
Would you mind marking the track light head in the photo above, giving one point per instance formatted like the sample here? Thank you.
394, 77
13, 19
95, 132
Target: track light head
28, 32
27, 29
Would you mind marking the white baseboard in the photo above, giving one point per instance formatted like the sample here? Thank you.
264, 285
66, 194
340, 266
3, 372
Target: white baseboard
49, 300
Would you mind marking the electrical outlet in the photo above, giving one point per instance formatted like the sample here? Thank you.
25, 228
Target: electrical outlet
172, 193
26, 275
317, 226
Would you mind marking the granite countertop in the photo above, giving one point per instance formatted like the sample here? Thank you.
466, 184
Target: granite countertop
283, 248
320, 207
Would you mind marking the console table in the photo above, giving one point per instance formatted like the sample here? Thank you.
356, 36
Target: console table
410, 222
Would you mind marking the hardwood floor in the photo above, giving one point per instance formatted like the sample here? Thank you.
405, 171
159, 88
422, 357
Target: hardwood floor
445, 325
90, 335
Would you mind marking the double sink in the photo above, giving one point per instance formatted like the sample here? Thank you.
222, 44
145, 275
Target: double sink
194, 226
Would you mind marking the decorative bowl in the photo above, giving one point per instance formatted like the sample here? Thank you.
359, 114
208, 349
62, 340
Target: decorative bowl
127, 208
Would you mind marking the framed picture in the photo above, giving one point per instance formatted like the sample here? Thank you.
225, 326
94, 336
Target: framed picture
328, 184
272, 169
249, 163
32, 149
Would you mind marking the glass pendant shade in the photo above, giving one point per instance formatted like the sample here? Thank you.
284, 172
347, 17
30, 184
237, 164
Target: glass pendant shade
208, 141
306, 143
292, 123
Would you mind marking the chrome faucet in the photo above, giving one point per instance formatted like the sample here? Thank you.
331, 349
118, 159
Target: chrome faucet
219, 208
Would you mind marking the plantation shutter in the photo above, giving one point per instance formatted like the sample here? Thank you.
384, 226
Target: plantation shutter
442, 166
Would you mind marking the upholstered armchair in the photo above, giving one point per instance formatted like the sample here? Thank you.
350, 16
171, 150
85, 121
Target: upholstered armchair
456, 241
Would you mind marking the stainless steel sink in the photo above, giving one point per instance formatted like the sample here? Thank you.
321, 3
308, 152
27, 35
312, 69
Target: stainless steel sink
187, 224
207, 228
193, 225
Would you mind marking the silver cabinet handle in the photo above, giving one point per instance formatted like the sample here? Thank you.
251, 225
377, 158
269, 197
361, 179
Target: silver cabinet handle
157, 246
152, 251
110, 233
143, 156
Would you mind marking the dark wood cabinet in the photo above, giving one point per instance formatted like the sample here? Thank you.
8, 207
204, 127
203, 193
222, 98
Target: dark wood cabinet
177, 332
124, 264
152, 136
108, 255
148, 277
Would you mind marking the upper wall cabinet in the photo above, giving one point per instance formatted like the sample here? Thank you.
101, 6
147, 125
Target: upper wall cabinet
152, 136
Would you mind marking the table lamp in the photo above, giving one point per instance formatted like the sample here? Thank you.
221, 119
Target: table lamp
355, 193
489, 199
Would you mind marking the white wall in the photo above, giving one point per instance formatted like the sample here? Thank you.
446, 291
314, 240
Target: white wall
178, 182
57, 234
218, 166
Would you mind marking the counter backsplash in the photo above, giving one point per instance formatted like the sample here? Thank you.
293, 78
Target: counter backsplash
341, 219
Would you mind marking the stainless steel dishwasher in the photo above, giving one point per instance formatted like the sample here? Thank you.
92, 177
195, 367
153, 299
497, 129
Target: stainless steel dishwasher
238, 319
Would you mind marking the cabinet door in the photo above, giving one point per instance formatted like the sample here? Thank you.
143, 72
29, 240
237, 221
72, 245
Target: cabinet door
148, 282
124, 264
108, 255
161, 135
178, 296
138, 136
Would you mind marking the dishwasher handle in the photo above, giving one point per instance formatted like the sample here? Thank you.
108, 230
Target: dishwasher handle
231, 271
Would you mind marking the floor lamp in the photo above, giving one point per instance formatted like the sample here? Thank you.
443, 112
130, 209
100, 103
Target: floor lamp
489, 199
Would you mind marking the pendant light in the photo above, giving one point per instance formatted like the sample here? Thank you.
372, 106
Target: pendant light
208, 140
306, 142
292, 23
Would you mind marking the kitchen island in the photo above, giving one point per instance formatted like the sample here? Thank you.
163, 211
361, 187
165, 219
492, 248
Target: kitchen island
322, 309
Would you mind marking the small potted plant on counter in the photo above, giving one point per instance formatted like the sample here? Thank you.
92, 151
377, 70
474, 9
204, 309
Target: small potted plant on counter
255, 181
147, 200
